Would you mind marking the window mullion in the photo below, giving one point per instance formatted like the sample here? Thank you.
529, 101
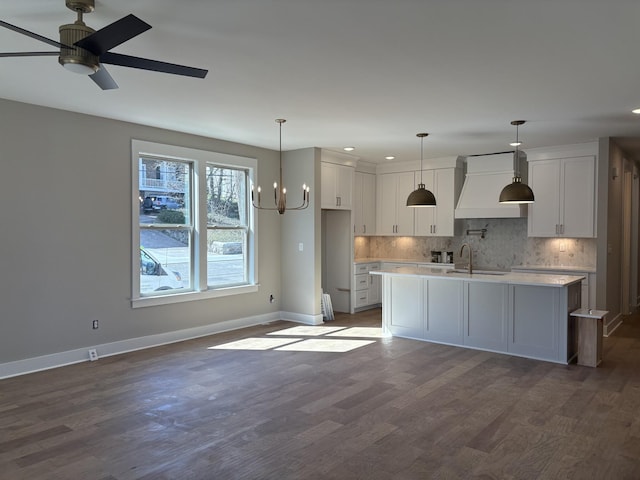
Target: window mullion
200, 225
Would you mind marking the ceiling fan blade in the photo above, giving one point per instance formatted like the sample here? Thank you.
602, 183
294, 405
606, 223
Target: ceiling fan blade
29, 54
113, 35
53, 43
103, 79
154, 65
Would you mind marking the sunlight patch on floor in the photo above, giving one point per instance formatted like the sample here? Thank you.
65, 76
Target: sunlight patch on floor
325, 345
255, 344
309, 331
295, 343
361, 332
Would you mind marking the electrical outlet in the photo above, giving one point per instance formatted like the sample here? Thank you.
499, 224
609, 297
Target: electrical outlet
93, 354
94, 324
272, 299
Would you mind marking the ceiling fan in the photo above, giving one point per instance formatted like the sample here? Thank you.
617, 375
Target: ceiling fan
84, 50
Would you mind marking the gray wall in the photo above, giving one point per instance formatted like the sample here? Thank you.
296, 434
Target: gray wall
301, 270
65, 196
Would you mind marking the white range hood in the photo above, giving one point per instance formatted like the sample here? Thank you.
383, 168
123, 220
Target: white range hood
486, 176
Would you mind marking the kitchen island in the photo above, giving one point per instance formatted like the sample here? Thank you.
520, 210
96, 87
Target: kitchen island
522, 314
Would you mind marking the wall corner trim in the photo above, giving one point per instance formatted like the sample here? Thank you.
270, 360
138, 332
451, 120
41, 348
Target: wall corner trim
302, 318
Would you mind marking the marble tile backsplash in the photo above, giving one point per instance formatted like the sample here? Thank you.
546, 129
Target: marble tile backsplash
505, 245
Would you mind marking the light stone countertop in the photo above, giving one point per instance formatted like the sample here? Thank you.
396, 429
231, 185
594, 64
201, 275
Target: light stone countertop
555, 268
399, 260
513, 278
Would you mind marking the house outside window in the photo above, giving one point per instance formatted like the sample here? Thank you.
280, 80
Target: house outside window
194, 234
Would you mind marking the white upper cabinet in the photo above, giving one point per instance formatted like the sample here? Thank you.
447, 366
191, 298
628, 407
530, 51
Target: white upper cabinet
337, 186
364, 204
565, 192
439, 221
393, 217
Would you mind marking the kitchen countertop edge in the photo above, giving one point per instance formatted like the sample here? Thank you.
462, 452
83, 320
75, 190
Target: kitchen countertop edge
529, 279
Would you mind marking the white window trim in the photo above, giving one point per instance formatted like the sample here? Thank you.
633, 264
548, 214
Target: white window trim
199, 158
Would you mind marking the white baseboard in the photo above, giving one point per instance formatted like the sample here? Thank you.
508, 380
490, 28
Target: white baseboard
54, 360
611, 325
302, 318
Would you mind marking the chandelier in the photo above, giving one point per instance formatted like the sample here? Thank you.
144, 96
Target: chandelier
280, 192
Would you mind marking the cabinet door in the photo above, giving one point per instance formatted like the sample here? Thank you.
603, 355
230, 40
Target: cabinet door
386, 204
364, 204
544, 214
438, 221
426, 217
444, 188
485, 315
404, 214
533, 330
444, 317
328, 192
578, 194
344, 187
404, 319
358, 204
336, 191
375, 289
369, 204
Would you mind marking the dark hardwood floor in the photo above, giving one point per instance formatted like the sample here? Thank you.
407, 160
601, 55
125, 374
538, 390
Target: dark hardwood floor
392, 409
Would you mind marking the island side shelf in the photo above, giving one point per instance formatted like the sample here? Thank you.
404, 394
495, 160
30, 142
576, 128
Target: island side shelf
519, 314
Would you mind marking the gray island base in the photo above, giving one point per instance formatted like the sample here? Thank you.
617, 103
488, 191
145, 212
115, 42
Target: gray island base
521, 314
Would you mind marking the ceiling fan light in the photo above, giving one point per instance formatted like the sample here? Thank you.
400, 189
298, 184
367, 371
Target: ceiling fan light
517, 192
81, 68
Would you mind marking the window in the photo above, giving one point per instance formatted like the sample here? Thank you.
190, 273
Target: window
193, 225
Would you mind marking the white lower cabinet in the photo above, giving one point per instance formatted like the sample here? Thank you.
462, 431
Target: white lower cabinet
444, 312
523, 320
366, 288
588, 284
485, 315
406, 316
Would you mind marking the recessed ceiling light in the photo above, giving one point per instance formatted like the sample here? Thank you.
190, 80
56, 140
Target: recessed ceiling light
515, 144
349, 149
636, 111
389, 157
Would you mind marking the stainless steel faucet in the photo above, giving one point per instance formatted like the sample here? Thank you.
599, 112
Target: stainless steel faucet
470, 256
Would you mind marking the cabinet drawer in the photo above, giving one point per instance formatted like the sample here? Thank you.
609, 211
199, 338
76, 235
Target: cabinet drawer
362, 282
362, 298
362, 268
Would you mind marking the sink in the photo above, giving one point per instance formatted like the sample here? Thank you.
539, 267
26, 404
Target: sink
480, 272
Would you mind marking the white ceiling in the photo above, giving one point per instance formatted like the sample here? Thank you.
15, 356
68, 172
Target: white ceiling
366, 73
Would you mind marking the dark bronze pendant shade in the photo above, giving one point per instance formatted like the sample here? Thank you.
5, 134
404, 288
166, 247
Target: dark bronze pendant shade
516, 191
421, 197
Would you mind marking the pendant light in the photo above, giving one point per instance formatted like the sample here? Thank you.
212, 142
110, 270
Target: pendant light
421, 197
280, 193
517, 192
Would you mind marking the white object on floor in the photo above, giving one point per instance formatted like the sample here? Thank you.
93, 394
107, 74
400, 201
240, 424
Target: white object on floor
326, 307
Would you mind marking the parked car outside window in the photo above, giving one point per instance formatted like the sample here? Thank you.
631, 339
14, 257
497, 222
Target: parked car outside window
154, 277
162, 203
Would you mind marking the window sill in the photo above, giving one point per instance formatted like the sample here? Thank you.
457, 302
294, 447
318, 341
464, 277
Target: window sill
192, 296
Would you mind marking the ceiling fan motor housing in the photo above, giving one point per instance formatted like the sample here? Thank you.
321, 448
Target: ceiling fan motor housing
75, 58
84, 6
